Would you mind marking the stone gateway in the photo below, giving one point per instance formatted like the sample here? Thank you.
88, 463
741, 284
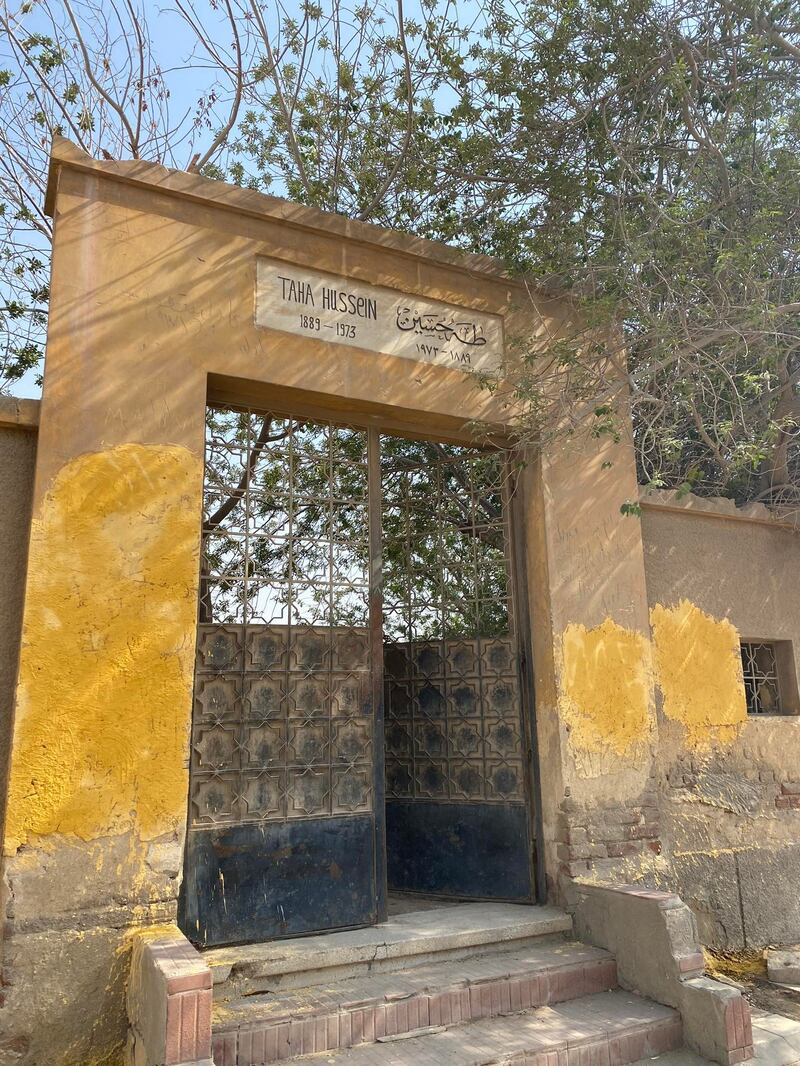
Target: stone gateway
312, 681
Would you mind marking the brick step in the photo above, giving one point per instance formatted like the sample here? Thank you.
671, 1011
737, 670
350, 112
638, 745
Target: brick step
606, 1029
405, 940
274, 1027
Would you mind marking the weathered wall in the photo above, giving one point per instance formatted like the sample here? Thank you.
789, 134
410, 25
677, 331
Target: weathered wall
152, 310
153, 281
729, 784
595, 708
18, 424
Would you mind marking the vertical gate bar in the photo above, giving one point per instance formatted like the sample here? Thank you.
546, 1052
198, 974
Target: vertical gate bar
519, 567
374, 504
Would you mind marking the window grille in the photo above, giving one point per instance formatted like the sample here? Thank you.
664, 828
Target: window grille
760, 670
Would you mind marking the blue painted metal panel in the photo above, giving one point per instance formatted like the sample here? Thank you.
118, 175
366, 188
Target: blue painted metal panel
259, 882
459, 849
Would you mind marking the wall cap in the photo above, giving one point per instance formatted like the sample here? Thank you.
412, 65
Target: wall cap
713, 507
16, 411
192, 186
169, 1001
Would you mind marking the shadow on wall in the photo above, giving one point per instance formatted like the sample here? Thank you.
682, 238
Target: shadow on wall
17, 462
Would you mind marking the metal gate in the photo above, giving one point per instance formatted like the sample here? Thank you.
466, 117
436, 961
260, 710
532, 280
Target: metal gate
457, 757
328, 550
285, 772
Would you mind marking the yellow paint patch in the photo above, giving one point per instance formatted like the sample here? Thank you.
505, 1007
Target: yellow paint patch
699, 671
104, 695
740, 965
605, 690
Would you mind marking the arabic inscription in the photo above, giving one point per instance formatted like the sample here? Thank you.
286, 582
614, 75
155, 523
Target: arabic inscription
336, 309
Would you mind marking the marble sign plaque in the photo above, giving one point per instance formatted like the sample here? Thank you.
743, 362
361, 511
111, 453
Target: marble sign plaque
329, 307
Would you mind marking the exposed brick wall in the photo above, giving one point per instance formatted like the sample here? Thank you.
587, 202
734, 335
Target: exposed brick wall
734, 783
788, 798
598, 838
732, 838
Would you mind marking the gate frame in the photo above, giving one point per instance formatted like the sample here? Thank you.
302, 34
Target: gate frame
513, 501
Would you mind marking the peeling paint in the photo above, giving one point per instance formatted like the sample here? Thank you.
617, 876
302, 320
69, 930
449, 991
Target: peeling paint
699, 672
606, 687
101, 730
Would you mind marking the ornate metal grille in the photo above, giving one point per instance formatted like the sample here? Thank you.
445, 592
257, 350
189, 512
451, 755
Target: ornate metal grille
282, 724
760, 670
453, 728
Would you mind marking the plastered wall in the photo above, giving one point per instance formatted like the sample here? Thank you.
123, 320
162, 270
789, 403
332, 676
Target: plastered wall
17, 458
595, 711
729, 784
152, 311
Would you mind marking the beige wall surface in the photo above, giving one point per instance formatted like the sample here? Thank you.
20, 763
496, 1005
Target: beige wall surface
17, 459
745, 571
730, 782
152, 311
594, 691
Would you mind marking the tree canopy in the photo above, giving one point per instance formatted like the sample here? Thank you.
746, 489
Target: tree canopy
641, 156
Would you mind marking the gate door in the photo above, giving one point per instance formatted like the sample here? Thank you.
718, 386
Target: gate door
457, 807
283, 770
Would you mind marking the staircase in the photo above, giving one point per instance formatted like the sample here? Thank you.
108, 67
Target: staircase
467, 985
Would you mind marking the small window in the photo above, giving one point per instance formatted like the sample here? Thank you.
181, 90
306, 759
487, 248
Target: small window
761, 686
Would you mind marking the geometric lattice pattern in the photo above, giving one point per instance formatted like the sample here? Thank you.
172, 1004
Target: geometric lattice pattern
760, 678
282, 722
453, 714
453, 724
283, 712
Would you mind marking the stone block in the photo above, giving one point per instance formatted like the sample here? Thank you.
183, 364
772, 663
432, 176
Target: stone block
611, 833
577, 835
623, 849
643, 832
715, 1020
783, 965
169, 1001
654, 938
576, 852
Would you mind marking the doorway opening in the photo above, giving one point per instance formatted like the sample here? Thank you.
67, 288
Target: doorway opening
358, 723
455, 751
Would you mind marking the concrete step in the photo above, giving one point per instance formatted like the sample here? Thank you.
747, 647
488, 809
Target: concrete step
783, 964
404, 940
271, 1027
606, 1029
